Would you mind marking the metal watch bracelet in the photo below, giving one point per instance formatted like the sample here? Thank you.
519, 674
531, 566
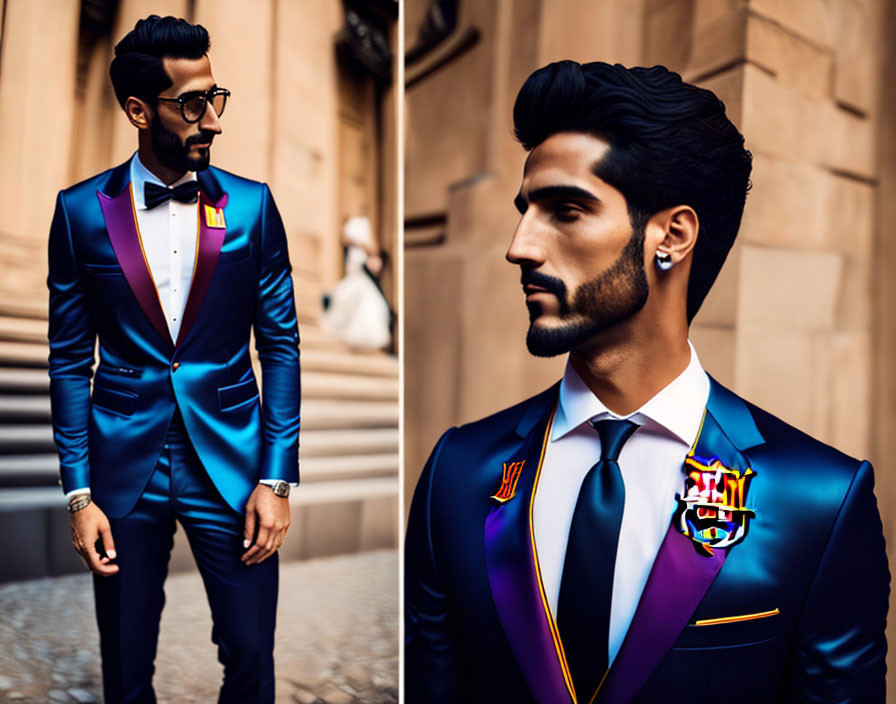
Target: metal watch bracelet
76, 503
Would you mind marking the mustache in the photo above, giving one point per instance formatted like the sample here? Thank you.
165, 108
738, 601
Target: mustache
204, 137
549, 283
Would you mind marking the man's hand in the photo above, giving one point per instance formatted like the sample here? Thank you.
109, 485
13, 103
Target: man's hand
88, 525
270, 514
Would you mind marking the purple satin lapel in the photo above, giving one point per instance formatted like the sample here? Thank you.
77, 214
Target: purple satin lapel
514, 582
209, 248
676, 585
118, 212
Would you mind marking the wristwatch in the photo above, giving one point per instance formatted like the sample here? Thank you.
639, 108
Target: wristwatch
77, 502
280, 489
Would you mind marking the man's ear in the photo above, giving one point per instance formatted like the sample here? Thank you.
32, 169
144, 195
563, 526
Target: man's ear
139, 113
680, 226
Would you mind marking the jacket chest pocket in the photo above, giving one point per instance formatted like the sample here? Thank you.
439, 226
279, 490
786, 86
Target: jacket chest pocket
235, 256
730, 631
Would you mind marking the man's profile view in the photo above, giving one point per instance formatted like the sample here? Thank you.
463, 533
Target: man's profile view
170, 263
637, 532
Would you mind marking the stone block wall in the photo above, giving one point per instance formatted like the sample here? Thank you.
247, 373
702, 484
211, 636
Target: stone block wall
794, 301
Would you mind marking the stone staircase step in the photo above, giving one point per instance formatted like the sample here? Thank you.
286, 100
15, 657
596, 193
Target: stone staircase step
328, 443
319, 469
343, 490
18, 409
18, 499
26, 439
321, 414
30, 381
29, 470
16, 307
324, 385
25, 354
314, 337
345, 362
23, 329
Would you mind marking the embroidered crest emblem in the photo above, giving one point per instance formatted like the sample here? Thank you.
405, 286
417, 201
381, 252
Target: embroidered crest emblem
509, 478
712, 510
214, 217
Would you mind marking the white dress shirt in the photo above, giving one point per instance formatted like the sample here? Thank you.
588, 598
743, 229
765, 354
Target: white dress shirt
651, 466
168, 234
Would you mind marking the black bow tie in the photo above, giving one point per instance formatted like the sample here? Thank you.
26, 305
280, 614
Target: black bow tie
154, 195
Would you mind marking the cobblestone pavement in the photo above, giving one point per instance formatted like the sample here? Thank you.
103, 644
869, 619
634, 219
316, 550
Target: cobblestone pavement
336, 641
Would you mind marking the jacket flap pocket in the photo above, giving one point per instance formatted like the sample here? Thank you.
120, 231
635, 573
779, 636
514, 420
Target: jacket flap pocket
235, 394
115, 400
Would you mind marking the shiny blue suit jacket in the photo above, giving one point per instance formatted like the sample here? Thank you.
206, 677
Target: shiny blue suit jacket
101, 287
795, 612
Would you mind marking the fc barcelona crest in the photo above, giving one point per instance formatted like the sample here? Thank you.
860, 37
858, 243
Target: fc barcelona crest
510, 476
712, 510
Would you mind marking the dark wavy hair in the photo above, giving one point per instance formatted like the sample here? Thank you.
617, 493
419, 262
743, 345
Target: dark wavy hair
670, 144
137, 68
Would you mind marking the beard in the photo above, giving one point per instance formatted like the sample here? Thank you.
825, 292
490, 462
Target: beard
606, 300
174, 154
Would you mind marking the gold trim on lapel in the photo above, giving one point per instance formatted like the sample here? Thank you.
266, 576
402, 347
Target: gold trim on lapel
143, 252
555, 633
196, 251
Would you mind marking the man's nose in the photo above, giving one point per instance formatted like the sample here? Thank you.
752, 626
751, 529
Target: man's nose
526, 248
210, 120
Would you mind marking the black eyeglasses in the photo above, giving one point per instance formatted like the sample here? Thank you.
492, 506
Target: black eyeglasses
193, 104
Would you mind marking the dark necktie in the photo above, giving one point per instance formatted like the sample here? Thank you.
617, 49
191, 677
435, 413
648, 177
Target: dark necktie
586, 589
154, 194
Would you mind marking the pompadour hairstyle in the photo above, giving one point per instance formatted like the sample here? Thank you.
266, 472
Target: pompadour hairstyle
671, 144
137, 68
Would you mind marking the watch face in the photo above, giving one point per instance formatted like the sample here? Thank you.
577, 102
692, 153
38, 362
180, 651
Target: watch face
281, 489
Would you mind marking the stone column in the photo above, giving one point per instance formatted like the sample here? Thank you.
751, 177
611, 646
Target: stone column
788, 322
884, 322
242, 55
37, 96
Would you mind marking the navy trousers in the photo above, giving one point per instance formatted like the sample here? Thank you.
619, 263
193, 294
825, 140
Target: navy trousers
129, 604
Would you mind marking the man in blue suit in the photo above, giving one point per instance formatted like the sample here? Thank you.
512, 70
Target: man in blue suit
637, 532
170, 263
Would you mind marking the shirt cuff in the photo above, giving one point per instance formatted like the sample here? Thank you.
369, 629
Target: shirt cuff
271, 482
77, 492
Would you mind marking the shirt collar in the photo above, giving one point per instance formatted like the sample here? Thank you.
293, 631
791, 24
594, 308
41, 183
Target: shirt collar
678, 407
140, 175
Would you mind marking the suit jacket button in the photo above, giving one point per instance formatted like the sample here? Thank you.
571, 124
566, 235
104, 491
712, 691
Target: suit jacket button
175, 366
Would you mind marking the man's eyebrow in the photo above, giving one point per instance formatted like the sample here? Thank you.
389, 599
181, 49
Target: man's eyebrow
553, 192
197, 91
